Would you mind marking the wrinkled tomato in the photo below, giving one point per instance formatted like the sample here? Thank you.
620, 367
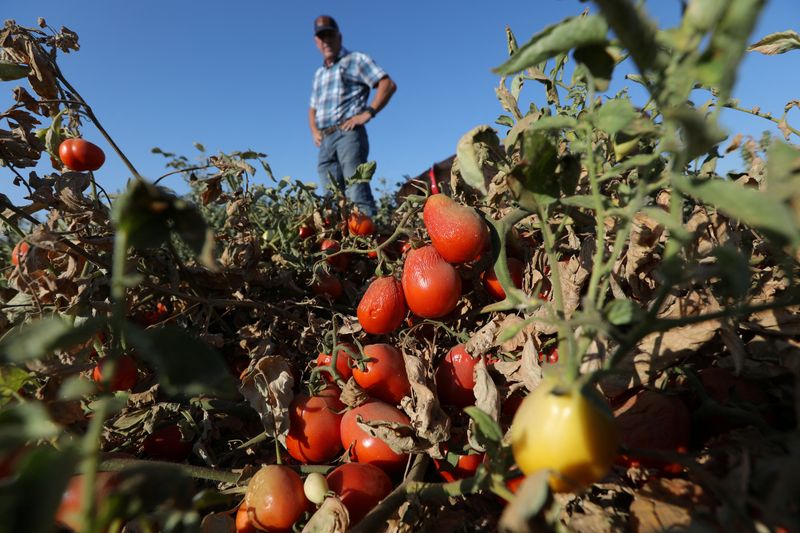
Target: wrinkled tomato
431, 285
383, 307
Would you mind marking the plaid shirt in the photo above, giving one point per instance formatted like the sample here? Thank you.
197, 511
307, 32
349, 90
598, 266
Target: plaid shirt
340, 91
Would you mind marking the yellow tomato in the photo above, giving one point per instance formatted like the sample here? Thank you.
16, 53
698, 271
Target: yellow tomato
566, 432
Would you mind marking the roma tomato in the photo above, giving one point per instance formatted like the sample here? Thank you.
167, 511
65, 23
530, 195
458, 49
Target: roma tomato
465, 466
383, 307
243, 523
68, 513
125, 374
455, 378
275, 498
327, 285
360, 487
305, 231
342, 361
167, 444
364, 448
81, 155
384, 376
360, 224
431, 285
19, 253
515, 267
340, 262
314, 424
457, 232
566, 432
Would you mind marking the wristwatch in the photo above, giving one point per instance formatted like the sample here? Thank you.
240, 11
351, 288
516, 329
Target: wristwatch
371, 110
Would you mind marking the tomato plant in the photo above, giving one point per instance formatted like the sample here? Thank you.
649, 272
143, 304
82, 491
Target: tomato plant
383, 306
342, 361
384, 376
166, 443
81, 155
275, 498
364, 448
431, 285
360, 224
314, 424
360, 487
567, 432
457, 231
515, 267
464, 467
329, 247
455, 377
125, 373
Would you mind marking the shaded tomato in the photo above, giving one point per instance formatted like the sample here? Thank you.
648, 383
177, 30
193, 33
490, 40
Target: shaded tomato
81, 155
167, 444
383, 307
329, 246
125, 373
364, 448
457, 232
515, 267
314, 424
566, 432
327, 285
305, 231
465, 466
153, 316
342, 361
275, 498
360, 487
455, 378
69, 510
243, 523
431, 285
19, 253
384, 376
360, 224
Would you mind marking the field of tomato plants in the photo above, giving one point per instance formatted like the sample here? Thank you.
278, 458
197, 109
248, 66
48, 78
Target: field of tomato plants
585, 327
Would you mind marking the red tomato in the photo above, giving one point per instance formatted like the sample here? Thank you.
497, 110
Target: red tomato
153, 316
69, 510
342, 361
275, 498
19, 253
327, 285
305, 232
81, 155
167, 444
514, 483
464, 467
364, 448
383, 307
455, 378
457, 231
384, 376
431, 285
493, 287
360, 224
360, 487
243, 523
314, 424
125, 373
340, 262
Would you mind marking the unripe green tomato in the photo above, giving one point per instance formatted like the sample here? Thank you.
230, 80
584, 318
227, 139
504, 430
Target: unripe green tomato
566, 432
315, 487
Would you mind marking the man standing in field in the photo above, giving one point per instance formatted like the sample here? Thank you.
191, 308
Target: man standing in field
339, 110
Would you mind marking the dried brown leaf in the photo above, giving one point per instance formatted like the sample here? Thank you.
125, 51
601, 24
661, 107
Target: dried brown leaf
486, 399
267, 386
665, 504
330, 517
427, 417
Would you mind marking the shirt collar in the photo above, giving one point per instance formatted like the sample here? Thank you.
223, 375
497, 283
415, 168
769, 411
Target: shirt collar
342, 52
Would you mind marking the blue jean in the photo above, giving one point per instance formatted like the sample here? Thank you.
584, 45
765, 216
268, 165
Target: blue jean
340, 153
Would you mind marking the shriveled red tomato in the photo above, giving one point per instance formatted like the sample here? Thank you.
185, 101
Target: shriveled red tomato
243, 523
455, 378
167, 444
314, 425
383, 307
465, 466
360, 224
360, 487
431, 285
69, 510
364, 448
327, 285
81, 155
457, 231
384, 376
329, 246
19, 253
125, 373
515, 267
275, 498
342, 361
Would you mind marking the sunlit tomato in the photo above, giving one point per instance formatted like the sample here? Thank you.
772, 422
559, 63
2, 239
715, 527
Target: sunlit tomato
465, 466
70, 508
167, 444
431, 285
360, 487
493, 287
384, 376
455, 377
383, 307
314, 424
360, 224
125, 373
275, 498
457, 231
19, 253
81, 155
364, 448
329, 246
243, 523
327, 285
342, 361
305, 231
566, 432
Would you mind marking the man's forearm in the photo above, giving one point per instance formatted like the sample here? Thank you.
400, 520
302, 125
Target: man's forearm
383, 93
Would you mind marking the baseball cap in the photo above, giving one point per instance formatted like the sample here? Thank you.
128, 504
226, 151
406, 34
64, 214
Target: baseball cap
325, 23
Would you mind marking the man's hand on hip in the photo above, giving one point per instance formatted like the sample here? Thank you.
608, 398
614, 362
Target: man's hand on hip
356, 120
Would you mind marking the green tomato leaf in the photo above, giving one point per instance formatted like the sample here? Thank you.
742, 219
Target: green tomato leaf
364, 173
598, 61
776, 43
40, 338
530, 499
25, 422
534, 180
622, 312
614, 116
13, 71
488, 429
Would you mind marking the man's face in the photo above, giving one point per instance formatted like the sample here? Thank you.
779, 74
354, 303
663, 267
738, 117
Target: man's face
329, 43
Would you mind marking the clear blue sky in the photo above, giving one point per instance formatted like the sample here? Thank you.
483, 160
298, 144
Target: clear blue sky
236, 75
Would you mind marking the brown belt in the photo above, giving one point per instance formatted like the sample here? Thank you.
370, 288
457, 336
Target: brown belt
327, 131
